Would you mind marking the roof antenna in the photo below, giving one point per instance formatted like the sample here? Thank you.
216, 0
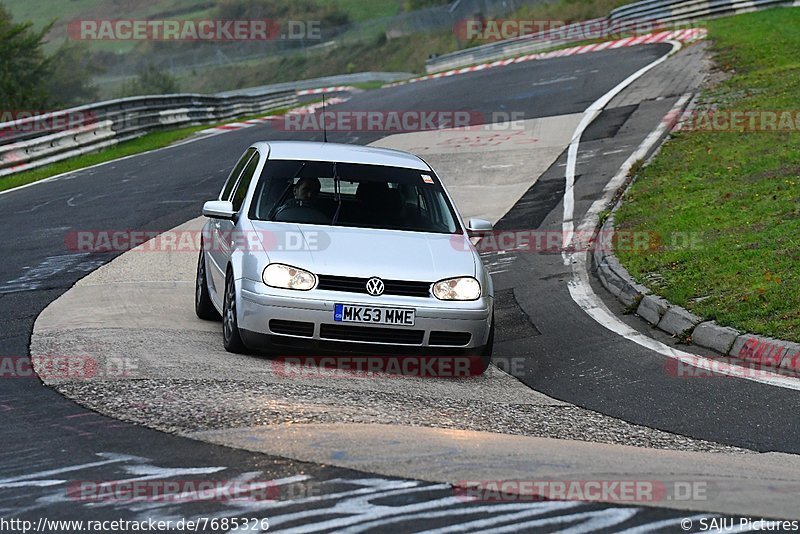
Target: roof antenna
324, 126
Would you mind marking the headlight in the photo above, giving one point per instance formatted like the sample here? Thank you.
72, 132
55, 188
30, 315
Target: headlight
464, 288
288, 277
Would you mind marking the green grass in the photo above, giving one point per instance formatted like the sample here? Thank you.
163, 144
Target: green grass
737, 192
367, 86
150, 141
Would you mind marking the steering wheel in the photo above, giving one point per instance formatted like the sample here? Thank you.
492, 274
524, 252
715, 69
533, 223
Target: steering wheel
303, 215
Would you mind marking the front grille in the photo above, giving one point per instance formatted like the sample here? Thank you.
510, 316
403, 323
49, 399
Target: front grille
371, 334
350, 284
291, 328
456, 339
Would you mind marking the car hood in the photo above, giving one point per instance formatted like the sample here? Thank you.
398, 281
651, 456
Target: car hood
366, 252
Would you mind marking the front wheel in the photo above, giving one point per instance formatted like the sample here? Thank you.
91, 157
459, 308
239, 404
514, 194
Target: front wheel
486, 354
203, 306
231, 338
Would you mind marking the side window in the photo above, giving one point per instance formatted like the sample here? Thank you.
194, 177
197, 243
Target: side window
244, 183
234, 175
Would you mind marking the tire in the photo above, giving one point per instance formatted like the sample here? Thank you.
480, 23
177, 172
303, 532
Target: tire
231, 338
203, 306
486, 354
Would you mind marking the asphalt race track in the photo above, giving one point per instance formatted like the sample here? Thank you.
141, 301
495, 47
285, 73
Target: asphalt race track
562, 352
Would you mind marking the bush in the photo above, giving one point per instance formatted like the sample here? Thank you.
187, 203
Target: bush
151, 81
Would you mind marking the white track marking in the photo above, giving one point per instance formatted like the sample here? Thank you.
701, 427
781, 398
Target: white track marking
581, 290
589, 116
527, 509
661, 525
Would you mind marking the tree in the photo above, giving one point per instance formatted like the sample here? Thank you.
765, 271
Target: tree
24, 67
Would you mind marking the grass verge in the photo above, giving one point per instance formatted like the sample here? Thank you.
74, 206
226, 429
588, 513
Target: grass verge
725, 205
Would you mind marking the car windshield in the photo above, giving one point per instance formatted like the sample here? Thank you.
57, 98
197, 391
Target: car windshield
354, 195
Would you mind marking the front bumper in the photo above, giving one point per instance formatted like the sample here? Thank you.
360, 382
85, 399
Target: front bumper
260, 305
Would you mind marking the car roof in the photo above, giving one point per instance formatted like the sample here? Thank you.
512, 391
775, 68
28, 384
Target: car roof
317, 151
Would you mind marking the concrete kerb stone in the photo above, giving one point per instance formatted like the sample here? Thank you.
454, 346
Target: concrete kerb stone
652, 309
760, 349
712, 336
791, 358
612, 275
678, 321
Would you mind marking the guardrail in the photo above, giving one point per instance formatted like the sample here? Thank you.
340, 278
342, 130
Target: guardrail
326, 81
39, 140
646, 11
683, 10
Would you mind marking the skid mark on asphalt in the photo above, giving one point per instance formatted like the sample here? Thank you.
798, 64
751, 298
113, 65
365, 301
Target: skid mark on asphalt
512, 322
298, 502
37, 276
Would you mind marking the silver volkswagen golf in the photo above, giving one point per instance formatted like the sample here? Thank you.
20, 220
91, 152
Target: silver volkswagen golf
323, 246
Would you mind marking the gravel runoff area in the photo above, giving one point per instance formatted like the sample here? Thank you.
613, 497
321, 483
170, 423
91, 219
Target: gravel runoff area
186, 406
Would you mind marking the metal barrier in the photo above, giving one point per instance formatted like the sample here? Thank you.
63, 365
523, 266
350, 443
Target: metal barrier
39, 140
660, 11
666, 11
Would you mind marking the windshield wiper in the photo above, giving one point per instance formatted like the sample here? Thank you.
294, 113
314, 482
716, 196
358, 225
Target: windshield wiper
337, 195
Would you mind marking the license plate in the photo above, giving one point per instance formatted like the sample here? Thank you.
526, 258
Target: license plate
346, 313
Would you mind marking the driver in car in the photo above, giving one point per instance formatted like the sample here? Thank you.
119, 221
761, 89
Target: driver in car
305, 193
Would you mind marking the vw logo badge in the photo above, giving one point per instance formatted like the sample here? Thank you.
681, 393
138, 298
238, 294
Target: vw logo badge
375, 287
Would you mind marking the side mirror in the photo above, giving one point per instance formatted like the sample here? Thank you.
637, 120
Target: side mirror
476, 226
219, 209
